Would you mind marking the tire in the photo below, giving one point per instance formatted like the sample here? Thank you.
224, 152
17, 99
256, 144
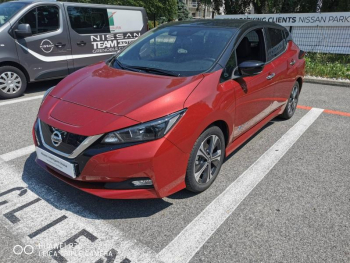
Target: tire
197, 179
292, 102
13, 83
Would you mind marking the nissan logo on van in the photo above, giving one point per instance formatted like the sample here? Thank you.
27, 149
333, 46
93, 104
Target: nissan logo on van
46, 46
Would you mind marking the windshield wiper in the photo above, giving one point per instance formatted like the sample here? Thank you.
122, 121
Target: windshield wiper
122, 66
156, 70
119, 63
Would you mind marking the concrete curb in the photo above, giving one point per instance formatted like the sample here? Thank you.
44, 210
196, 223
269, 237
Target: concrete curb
328, 82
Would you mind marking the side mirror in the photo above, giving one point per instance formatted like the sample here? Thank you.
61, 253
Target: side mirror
23, 30
251, 67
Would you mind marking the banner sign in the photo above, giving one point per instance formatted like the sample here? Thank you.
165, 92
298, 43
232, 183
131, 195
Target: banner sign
306, 19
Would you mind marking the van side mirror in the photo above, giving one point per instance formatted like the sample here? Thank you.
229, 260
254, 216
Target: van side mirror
23, 30
251, 68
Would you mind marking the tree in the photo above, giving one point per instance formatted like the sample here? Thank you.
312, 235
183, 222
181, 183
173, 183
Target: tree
182, 11
204, 4
217, 5
236, 6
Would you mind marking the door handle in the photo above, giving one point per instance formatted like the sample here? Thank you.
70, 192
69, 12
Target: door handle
292, 62
81, 43
270, 76
59, 45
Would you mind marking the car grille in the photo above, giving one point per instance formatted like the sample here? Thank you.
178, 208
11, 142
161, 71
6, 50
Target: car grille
70, 141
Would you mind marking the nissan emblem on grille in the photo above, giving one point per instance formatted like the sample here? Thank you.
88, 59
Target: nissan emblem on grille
56, 138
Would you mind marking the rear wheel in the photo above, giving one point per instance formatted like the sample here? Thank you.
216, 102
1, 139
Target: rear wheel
206, 159
292, 102
13, 83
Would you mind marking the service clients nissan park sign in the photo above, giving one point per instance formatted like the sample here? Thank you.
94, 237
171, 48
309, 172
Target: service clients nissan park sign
307, 19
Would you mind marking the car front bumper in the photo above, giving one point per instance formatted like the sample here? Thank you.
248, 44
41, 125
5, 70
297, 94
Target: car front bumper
108, 174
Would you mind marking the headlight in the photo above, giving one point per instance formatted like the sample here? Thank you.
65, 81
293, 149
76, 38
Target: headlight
47, 93
144, 132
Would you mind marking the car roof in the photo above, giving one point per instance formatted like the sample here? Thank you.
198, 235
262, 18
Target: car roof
225, 23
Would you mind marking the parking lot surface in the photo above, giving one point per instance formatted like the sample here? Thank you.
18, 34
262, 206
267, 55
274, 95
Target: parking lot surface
282, 197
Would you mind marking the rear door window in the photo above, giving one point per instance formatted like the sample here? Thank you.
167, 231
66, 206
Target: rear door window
86, 20
276, 43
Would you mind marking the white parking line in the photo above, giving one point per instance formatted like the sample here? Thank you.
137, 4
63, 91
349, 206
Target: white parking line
193, 237
17, 153
59, 229
20, 100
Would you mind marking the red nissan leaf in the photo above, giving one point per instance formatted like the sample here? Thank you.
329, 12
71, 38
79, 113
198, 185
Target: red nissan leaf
162, 114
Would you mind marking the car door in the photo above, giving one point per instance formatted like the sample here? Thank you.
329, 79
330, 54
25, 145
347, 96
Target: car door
44, 54
283, 59
98, 32
254, 94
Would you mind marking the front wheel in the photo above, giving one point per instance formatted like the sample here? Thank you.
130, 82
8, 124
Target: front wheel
205, 160
292, 102
13, 83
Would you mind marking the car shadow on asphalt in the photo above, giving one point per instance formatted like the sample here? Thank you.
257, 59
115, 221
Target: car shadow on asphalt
251, 138
39, 181
37, 87
184, 194
46, 185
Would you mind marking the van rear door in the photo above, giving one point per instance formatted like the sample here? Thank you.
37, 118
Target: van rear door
97, 32
45, 53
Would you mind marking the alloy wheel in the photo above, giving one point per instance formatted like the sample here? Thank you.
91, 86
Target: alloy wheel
10, 82
207, 159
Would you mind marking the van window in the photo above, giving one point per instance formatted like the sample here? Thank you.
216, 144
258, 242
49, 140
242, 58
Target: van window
125, 20
86, 20
42, 19
276, 43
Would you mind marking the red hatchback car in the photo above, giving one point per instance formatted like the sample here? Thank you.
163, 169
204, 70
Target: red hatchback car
162, 114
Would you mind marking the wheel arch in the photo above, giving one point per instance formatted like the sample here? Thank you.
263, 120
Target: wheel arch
223, 127
16, 65
300, 81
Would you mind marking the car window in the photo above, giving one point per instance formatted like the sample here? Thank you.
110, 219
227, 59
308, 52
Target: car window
228, 70
85, 20
183, 50
251, 47
276, 43
158, 46
42, 19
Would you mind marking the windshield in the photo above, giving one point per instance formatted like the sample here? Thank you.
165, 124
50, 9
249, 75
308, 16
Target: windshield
177, 50
8, 10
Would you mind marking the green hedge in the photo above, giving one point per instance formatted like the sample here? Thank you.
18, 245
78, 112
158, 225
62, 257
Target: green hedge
328, 65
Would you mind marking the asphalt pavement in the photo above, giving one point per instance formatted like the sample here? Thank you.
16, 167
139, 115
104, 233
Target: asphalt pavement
282, 197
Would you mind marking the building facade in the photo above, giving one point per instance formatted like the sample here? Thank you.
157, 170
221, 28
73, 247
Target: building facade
202, 12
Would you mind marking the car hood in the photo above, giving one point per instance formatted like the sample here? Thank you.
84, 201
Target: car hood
138, 96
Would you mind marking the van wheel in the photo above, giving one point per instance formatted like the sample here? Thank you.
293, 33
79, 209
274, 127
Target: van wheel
13, 83
205, 160
292, 102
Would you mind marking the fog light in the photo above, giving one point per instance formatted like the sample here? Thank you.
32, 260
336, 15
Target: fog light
142, 183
